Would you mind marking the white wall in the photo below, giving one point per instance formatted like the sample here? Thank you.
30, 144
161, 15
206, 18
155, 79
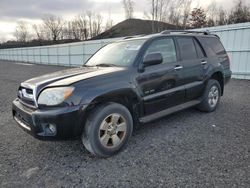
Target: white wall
235, 38
71, 54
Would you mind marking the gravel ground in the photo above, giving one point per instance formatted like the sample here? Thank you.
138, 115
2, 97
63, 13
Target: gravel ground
187, 149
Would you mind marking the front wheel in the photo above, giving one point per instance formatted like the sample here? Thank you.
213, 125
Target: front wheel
211, 97
107, 130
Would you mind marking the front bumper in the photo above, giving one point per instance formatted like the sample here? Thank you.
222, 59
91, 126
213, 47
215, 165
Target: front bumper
66, 120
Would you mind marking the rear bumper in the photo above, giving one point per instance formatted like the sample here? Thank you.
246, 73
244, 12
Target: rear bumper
67, 121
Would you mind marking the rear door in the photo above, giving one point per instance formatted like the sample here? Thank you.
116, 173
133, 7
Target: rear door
160, 84
194, 62
216, 52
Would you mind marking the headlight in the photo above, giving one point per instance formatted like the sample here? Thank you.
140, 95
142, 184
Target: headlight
55, 96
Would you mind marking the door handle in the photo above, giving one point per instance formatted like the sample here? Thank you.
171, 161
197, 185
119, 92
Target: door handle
204, 62
178, 67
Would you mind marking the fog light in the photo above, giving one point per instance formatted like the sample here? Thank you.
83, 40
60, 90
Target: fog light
52, 128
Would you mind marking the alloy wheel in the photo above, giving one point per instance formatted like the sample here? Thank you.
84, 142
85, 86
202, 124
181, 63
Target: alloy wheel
112, 130
213, 96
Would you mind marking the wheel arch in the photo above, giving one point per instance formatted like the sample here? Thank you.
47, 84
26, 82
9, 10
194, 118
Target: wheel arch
218, 75
126, 97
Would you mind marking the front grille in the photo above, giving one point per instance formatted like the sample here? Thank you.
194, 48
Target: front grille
29, 91
27, 102
26, 96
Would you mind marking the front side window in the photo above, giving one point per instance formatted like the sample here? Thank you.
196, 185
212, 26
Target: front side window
164, 46
187, 48
120, 54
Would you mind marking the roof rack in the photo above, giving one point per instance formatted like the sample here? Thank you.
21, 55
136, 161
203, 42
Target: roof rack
167, 32
135, 36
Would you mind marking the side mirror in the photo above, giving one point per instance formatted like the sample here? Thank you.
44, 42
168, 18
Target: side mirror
152, 59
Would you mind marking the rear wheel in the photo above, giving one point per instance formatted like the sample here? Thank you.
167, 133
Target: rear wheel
211, 96
107, 130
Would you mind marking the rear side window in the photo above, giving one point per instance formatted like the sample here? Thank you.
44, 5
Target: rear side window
199, 50
214, 45
164, 46
187, 48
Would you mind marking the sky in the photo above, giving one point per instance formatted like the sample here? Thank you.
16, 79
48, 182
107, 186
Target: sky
32, 11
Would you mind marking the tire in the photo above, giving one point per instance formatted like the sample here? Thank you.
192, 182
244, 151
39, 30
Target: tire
211, 96
107, 130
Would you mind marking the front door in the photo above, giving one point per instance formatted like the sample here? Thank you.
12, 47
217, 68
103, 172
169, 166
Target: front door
159, 84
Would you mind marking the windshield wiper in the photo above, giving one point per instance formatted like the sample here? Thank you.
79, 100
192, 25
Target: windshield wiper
101, 65
106, 65
87, 65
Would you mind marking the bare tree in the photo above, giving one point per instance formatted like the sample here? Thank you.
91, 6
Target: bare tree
21, 32
70, 30
163, 9
216, 15
90, 21
175, 12
54, 26
77, 28
128, 6
240, 14
97, 25
39, 32
212, 12
222, 17
82, 24
186, 4
109, 24
219, 16
153, 15
179, 12
159, 10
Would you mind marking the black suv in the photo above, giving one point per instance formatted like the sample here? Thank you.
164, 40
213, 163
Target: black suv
135, 80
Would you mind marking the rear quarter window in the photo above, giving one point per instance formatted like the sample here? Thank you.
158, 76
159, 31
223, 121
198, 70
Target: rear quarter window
213, 45
199, 50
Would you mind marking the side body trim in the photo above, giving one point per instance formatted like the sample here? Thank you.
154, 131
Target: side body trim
187, 86
168, 111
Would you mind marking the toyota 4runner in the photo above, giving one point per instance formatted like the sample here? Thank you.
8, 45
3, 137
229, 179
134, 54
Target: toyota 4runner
135, 80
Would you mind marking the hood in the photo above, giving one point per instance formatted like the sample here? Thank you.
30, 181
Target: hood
66, 77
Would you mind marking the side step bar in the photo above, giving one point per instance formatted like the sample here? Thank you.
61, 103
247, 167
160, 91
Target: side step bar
168, 111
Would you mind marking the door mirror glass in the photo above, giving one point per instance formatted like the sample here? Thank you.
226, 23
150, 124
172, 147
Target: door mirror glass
152, 59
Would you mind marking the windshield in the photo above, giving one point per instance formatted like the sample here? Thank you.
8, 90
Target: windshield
120, 54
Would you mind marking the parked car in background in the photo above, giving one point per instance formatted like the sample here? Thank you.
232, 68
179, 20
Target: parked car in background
135, 80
